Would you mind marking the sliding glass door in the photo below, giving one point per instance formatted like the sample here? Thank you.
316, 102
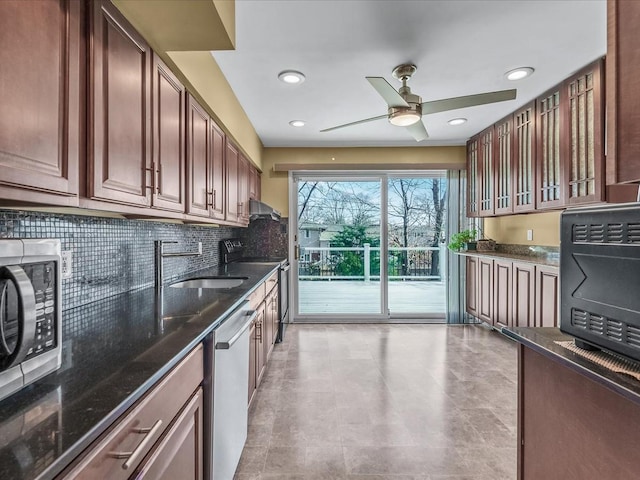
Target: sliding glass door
368, 248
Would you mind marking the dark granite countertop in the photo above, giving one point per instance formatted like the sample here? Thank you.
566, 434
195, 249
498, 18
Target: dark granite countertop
114, 350
542, 340
550, 260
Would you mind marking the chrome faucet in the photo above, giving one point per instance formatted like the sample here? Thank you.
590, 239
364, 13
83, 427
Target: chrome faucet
160, 254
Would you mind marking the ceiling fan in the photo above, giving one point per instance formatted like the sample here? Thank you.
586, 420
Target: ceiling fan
406, 109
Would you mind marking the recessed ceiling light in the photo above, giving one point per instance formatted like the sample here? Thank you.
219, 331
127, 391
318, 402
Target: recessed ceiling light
291, 76
519, 73
297, 123
457, 121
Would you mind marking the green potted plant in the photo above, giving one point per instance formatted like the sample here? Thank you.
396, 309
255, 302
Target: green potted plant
464, 240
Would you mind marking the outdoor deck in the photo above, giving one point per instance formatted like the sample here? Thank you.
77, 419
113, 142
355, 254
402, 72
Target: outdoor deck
357, 296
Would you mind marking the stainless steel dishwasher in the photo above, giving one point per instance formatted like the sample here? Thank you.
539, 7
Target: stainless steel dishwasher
231, 382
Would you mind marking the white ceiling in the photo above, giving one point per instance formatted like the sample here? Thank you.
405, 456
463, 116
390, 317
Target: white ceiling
460, 48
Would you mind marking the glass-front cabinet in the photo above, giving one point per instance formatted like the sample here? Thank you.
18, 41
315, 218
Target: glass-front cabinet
549, 154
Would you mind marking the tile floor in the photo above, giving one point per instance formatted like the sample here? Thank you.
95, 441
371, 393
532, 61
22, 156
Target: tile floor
374, 402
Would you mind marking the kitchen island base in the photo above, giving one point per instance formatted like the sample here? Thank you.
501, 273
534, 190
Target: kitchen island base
571, 426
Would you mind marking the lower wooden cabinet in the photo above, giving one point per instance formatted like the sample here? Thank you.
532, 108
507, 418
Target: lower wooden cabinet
160, 435
524, 293
264, 330
179, 453
472, 285
505, 293
547, 296
485, 290
502, 293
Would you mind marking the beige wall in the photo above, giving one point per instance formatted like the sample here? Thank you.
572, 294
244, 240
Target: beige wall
201, 72
275, 184
513, 229
182, 34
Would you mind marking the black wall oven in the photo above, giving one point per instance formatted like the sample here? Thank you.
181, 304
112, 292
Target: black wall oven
30, 312
600, 277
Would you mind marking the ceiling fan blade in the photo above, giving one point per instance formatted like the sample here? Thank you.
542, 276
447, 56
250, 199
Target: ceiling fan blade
467, 101
355, 123
386, 91
418, 131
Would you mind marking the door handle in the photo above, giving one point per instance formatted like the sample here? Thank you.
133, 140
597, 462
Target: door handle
297, 252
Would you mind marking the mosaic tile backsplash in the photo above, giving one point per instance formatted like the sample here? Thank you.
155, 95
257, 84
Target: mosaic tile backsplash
265, 238
112, 256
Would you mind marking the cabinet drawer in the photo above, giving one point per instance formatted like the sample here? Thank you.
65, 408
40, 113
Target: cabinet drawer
271, 282
139, 429
257, 297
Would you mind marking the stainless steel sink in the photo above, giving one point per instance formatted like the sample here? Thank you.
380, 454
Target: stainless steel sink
211, 282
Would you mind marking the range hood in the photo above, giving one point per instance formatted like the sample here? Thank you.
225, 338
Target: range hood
258, 209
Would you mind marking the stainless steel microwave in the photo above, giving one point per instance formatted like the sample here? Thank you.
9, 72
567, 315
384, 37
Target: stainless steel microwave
30, 312
600, 277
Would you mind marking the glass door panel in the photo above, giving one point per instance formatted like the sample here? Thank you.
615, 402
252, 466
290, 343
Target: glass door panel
338, 240
416, 219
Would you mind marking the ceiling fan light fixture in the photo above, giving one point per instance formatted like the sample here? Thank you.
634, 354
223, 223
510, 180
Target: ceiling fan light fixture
291, 77
297, 123
404, 118
519, 73
457, 121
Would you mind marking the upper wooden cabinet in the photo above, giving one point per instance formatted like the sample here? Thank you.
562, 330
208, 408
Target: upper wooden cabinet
486, 183
254, 183
119, 162
217, 187
198, 157
243, 188
206, 164
41, 103
524, 185
232, 160
547, 155
504, 166
472, 177
168, 139
584, 136
623, 92
548, 150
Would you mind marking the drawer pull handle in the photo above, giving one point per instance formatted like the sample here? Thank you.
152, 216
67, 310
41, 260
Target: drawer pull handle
132, 457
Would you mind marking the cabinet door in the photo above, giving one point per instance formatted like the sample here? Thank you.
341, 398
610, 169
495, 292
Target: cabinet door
472, 285
40, 99
472, 177
547, 296
243, 188
268, 327
584, 115
485, 290
198, 170
486, 173
119, 109
275, 319
503, 179
623, 91
523, 294
502, 293
232, 160
252, 360
168, 139
260, 344
216, 189
180, 453
548, 151
254, 183
523, 159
